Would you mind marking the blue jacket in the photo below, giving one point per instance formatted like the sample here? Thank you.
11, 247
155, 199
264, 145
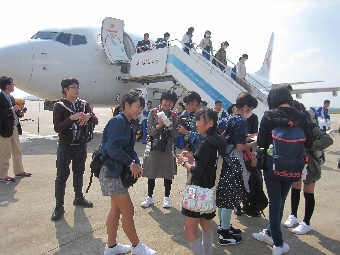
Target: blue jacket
117, 145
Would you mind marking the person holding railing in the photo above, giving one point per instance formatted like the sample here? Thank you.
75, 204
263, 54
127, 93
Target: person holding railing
144, 45
241, 72
187, 40
221, 56
163, 42
206, 45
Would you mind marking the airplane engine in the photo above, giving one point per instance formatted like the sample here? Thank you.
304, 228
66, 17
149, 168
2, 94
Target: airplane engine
298, 96
334, 93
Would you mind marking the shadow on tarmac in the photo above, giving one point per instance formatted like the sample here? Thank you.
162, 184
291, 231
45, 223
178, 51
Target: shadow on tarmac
7, 193
65, 234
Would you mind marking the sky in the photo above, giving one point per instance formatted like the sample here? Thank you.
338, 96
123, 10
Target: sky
306, 44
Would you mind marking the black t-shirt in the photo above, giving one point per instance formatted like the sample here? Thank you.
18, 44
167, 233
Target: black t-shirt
143, 46
253, 124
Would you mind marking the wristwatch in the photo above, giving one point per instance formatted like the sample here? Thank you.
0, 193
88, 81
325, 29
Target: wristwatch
133, 162
185, 161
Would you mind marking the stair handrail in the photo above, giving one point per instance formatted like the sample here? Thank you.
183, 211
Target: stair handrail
255, 89
261, 85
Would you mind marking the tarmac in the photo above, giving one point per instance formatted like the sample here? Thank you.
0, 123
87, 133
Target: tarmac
27, 204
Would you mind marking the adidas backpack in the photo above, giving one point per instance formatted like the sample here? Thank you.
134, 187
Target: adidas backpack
286, 160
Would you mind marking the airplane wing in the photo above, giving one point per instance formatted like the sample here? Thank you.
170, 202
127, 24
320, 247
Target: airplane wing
299, 92
295, 83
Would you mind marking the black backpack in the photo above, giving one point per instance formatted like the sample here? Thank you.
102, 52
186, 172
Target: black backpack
256, 200
75, 133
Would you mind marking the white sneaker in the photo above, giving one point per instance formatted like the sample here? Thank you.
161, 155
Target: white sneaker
141, 249
166, 203
147, 202
291, 221
277, 250
263, 237
303, 228
118, 249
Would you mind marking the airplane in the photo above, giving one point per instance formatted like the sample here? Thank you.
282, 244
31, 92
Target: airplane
100, 57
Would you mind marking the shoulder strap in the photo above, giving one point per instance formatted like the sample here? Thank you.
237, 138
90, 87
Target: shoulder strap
84, 105
67, 108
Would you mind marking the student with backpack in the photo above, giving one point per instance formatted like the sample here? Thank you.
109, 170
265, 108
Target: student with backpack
236, 133
315, 155
67, 113
291, 133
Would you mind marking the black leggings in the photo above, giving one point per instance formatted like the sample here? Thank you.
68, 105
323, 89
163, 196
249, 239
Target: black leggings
152, 184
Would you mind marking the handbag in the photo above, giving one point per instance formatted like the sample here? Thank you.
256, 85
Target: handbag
158, 143
198, 199
126, 175
127, 178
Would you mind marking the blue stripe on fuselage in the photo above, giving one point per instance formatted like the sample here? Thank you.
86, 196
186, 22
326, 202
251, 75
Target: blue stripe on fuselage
198, 80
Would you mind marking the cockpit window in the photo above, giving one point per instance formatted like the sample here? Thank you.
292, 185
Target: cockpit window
64, 38
45, 35
78, 39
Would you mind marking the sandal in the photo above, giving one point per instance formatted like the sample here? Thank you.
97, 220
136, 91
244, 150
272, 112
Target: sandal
24, 174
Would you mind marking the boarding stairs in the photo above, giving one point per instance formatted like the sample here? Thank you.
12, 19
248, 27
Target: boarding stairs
193, 72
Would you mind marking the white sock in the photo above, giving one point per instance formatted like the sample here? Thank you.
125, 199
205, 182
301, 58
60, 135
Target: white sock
197, 247
207, 241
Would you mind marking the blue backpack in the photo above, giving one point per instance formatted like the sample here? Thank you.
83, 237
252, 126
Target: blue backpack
286, 160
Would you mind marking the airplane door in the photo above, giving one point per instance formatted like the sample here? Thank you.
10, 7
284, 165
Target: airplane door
113, 41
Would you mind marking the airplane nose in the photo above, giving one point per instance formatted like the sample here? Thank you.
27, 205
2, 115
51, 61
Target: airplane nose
17, 62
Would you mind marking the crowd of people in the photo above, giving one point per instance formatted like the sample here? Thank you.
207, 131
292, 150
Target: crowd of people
219, 59
213, 132
202, 133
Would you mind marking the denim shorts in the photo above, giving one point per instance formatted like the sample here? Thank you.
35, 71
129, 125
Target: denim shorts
111, 186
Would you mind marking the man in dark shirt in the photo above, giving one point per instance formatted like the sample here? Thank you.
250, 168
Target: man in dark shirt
162, 43
67, 152
144, 45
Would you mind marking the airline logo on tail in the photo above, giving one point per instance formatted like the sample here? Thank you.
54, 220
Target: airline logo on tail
265, 69
269, 60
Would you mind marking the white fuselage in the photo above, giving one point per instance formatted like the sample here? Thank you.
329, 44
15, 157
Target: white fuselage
37, 66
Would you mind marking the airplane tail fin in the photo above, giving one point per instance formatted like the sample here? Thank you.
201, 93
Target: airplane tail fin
265, 69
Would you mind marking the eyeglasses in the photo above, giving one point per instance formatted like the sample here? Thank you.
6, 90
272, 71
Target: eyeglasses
74, 87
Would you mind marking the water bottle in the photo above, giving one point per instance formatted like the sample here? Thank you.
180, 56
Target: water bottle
304, 173
270, 150
147, 149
